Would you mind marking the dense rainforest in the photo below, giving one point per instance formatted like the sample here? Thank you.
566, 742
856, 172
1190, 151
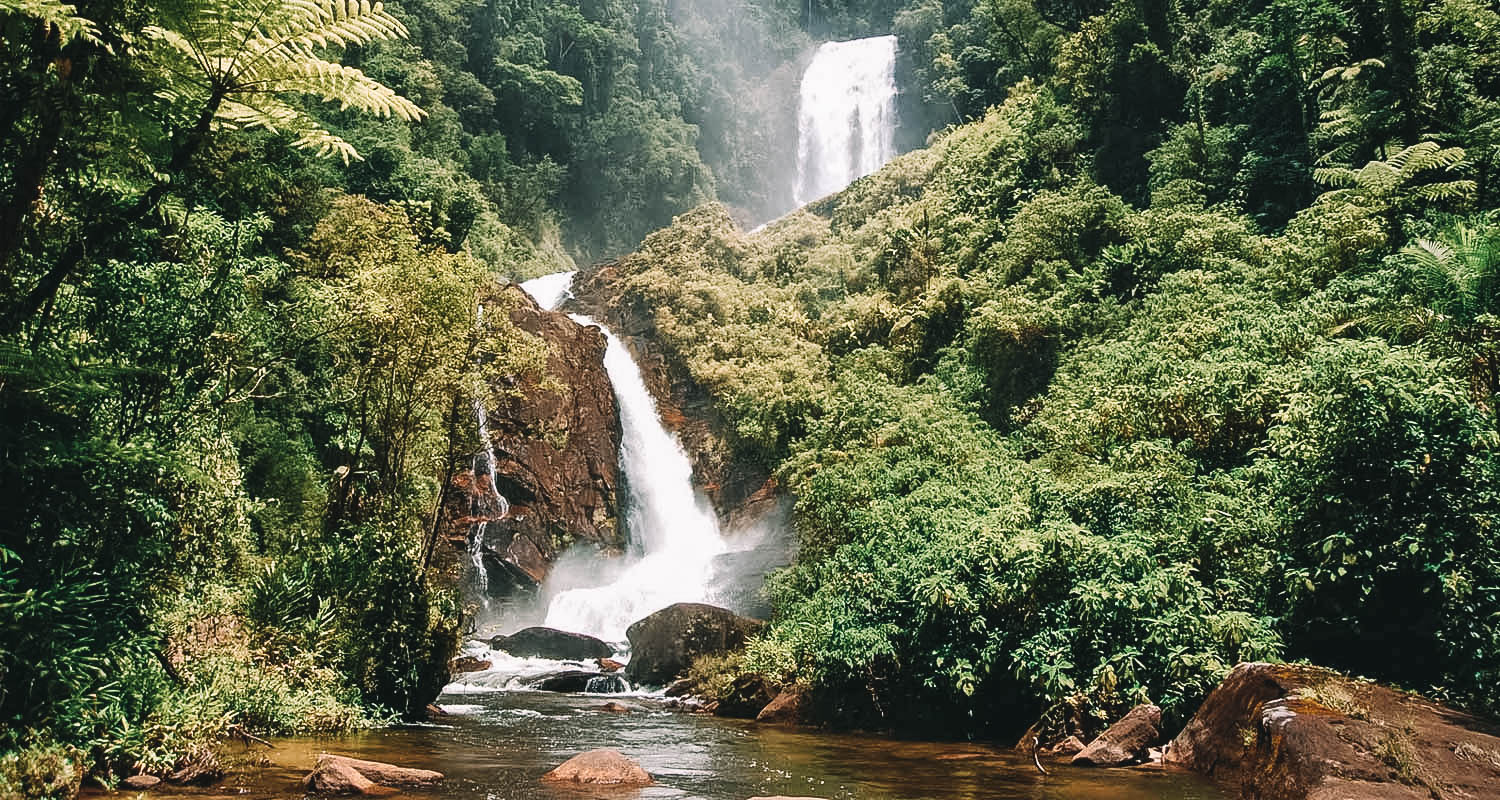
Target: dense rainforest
1176, 345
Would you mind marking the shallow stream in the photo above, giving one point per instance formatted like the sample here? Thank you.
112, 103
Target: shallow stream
495, 745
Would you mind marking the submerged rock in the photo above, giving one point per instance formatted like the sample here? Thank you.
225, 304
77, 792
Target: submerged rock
580, 680
664, 644
344, 775
603, 767
539, 642
1126, 742
1295, 731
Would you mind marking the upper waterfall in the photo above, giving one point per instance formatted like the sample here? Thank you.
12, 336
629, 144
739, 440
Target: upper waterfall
846, 121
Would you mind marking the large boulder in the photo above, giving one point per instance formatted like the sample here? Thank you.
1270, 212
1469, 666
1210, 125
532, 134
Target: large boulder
1125, 742
1294, 731
664, 644
579, 680
551, 643
603, 767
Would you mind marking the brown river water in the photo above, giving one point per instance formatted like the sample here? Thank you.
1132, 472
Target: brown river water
497, 745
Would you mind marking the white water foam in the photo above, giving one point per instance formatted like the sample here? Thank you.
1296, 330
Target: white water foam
846, 120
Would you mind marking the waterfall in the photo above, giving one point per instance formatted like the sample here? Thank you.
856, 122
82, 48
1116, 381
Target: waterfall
846, 120
484, 464
674, 533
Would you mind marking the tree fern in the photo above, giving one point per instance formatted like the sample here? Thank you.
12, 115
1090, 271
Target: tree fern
1423, 171
61, 17
240, 60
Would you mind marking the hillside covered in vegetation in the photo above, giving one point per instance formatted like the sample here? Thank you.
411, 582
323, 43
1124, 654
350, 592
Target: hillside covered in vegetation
1178, 348
1183, 355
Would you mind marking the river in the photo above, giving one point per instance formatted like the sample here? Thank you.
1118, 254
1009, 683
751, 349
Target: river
496, 745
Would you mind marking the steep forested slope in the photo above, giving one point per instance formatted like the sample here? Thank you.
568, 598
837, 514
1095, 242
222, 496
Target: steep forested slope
1183, 355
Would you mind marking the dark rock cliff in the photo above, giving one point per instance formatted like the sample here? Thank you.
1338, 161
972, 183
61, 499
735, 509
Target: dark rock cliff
556, 445
742, 493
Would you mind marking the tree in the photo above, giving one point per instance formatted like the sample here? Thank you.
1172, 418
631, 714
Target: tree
1459, 278
231, 64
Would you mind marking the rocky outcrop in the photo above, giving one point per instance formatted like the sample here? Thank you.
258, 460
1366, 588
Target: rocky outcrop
1292, 731
1125, 742
603, 767
790, 707
664, 644
462, 664
344, 775
747, 695
539, 642
741, 492
556, 444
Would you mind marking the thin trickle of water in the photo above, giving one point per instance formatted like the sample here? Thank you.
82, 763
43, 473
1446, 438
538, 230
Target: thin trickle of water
484, 465
846, 121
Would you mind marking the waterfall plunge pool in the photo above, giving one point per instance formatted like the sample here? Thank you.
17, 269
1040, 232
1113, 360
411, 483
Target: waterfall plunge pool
497, 745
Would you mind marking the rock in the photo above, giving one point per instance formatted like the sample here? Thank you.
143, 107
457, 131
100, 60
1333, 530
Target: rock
616, 707
682, 687
610, 665
664, 644
556, 440
600, 767
785, 797
787, 708
551, 643
464, 664
198, 767
335, 774
140, 782
1295, 731
339, 778
1126, 741
747, 695
1067, 747
737, 487
579, 680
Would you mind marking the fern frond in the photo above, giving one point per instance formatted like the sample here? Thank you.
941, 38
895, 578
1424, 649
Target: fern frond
59, 17
347, 86
1448, 190
273, 115
1335, 176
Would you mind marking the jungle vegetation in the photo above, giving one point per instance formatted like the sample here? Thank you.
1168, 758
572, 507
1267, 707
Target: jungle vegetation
1175, 347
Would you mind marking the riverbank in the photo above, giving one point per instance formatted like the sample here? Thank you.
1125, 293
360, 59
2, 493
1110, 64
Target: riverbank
498, 744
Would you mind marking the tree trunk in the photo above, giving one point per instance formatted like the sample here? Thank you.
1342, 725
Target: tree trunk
187, 147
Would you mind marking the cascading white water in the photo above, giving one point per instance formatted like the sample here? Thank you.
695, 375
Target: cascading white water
674, 532
846, 120
484, 464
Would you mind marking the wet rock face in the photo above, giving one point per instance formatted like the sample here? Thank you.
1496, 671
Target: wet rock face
556, 445
1295, 731
664, 644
